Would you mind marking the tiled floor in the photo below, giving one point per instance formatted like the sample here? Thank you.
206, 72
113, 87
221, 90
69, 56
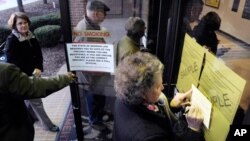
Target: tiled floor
56, 106
238, 59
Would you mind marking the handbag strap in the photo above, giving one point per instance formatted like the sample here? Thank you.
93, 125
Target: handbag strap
2, 45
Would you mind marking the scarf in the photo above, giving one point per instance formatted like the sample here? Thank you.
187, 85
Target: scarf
20, 37
90, 25
163, 101
162, 106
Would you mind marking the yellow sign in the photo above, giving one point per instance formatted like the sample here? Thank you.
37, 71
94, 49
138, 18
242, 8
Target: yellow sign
224, 89
213, 3
191, 62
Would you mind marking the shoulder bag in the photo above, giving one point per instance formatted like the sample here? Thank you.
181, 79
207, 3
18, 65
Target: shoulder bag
3, 57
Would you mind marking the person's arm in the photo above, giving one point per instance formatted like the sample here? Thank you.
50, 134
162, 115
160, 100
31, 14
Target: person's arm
188, 126
38, 55
80, 27
38, 59
192, 135
11, 50
194, 117
181, 99
18, 84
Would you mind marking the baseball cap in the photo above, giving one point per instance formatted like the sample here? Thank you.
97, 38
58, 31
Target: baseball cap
97, 5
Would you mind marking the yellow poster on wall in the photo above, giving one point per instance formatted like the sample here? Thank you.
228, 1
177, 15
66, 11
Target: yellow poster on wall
191, 62
213, 3
224, 89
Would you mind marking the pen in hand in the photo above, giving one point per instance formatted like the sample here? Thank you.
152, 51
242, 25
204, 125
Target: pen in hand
186, 110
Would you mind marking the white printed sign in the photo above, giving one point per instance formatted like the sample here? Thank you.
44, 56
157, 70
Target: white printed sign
205, 105
91, 57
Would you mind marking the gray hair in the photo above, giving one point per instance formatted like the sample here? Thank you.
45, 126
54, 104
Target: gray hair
135, 76
134, 25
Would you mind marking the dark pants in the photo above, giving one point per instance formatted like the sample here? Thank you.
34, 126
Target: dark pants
95, 107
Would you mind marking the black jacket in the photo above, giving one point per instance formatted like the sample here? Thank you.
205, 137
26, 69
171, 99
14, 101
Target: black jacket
137, 123
205, 35
27, 54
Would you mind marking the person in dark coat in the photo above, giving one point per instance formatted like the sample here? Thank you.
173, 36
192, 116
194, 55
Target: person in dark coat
16, 123
23, 50
140, 113
204, 32
192, 12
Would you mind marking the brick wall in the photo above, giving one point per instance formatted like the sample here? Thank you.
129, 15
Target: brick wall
119, 9
77, 10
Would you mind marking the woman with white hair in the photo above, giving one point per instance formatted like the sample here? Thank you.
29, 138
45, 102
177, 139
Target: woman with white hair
140, 114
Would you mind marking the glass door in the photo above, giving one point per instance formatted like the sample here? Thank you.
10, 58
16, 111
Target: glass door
95, 45
220, 28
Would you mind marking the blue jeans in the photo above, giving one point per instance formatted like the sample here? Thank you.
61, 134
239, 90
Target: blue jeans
95, 106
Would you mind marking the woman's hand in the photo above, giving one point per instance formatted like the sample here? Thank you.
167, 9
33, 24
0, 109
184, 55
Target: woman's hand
71, 76
181, 99
194, 117
37, 72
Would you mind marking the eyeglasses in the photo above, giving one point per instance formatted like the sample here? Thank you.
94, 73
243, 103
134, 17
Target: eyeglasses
21, 23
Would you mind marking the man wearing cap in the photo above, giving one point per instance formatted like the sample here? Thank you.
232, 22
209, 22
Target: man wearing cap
95, 15
95, 99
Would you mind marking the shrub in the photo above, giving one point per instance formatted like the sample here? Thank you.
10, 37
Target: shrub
48, 35
49, 19
4, 33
